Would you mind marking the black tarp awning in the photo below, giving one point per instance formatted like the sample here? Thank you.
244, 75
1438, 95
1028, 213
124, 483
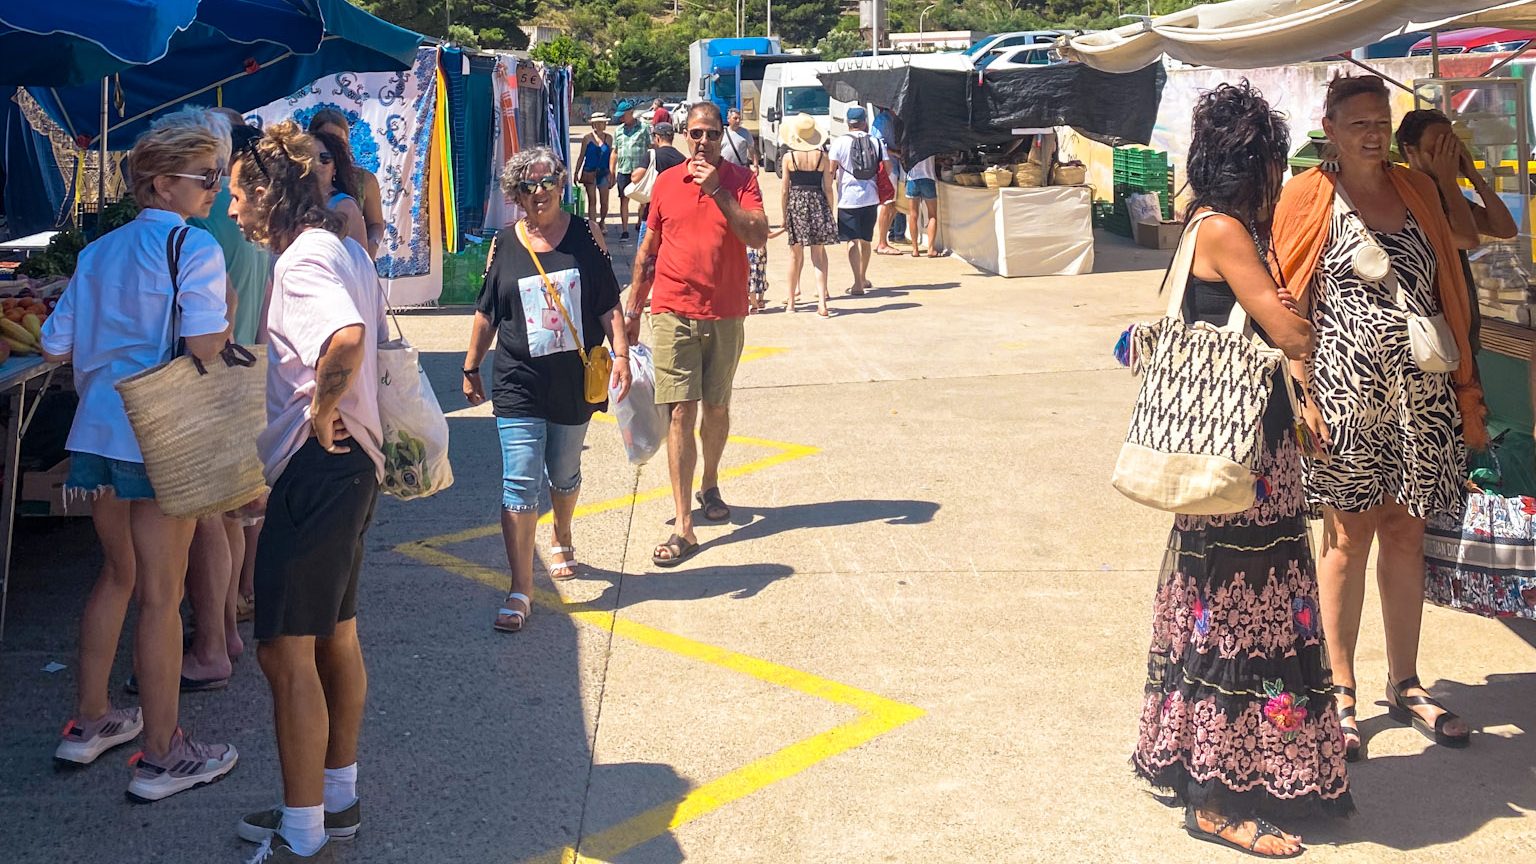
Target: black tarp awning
939, 110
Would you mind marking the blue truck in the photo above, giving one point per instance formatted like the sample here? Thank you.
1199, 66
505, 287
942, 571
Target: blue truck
714, 68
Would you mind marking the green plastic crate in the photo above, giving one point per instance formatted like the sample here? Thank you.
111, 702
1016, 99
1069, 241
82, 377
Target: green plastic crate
463, 274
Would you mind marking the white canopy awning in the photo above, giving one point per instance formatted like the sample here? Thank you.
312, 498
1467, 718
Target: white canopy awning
1252, 34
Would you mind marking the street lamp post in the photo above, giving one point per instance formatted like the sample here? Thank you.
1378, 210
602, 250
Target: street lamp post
920, 17
768, 28
874, 28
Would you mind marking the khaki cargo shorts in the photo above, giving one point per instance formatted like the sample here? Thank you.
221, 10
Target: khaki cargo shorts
695, 358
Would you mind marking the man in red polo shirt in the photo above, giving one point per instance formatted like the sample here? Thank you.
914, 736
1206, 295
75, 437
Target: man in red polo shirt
692, 265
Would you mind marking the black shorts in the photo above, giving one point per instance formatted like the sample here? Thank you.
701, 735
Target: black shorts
621, 182
310, 551
857, 223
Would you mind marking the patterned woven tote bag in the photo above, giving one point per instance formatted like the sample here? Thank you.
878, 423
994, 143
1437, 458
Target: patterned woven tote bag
1197, 429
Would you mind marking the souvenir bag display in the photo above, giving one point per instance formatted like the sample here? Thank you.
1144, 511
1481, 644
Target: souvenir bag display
1483, 559
416, 462
1196, 432
197, 423
597, 362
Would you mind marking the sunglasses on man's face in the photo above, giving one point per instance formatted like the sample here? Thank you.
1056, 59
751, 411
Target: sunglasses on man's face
699, 134
209, 179
547, 184
326, 158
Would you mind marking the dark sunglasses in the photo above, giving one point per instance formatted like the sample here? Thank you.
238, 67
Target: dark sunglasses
249, 149
326, 158
209, 179
547, 184
712, 134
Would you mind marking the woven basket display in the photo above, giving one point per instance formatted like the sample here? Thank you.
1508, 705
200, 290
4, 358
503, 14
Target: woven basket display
968, 179
997, 178
197, 429
1069, 175
1029, 175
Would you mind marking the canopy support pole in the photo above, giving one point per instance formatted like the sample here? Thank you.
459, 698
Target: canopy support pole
101, 170
1434, 52
1393, 81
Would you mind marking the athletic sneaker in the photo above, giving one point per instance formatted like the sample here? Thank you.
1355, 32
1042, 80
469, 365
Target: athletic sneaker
277, 851
260, 826
84, 740
187, 765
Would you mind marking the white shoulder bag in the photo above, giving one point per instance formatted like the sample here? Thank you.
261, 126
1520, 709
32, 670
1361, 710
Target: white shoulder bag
1430, 339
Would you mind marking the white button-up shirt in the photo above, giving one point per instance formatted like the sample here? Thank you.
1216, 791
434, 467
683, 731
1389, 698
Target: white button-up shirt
115, 319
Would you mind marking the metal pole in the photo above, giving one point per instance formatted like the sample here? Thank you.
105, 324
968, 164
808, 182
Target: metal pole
920, 18
101, 170
874, 28
768, 28
1434, 53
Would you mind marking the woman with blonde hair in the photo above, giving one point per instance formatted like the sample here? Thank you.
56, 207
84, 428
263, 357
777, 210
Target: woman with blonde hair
1363, 244
322, 452
139, 293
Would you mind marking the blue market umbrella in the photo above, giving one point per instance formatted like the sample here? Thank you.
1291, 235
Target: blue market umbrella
238, 53
62, 44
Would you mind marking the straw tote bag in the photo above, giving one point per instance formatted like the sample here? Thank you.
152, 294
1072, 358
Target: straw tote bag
1197, 429
196, 424
640, 193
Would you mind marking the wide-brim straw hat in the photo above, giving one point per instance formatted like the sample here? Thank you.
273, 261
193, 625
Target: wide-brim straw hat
801, 133
598, 117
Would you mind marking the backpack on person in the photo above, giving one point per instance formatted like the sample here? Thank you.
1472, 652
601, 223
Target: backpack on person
864, 158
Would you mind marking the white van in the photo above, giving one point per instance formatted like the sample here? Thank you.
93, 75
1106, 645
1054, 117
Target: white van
790, 89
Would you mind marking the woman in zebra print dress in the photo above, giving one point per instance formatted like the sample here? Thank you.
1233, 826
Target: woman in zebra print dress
1392, 432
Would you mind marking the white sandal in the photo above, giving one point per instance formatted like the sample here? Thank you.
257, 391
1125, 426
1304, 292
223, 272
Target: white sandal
510, 620
566, 567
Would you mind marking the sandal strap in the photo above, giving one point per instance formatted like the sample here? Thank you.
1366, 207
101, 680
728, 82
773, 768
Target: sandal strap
1262, 829
1409, 683
528, 601
561, 550
1341, 690
1346, 713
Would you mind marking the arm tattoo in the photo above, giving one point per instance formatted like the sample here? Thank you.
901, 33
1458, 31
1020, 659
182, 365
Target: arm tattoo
333, 382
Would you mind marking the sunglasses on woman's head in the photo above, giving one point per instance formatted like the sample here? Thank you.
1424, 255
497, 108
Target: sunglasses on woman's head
528, 187
697, 134
210, 178
326, 158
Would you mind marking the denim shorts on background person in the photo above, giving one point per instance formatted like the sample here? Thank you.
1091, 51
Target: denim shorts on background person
922, 190
89, 474
533, 450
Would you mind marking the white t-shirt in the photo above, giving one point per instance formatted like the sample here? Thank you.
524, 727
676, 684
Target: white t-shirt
737, 146
851, 191
322, 284
922, 170
115, 319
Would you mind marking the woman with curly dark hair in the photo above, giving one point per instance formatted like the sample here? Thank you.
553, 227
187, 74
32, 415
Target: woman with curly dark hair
322, 452
338, 181
1236, 719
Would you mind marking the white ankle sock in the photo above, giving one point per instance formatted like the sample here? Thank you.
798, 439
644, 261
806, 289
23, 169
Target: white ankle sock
340, 788
304, 828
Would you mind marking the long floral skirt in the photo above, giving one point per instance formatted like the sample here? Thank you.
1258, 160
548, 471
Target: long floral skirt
1238, 713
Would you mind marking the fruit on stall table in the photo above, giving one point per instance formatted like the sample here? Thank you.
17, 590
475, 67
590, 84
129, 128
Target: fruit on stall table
19, 337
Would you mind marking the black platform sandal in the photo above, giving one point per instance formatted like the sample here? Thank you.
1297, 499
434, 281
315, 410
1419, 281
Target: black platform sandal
1261, 829
1400, 708
1354, 745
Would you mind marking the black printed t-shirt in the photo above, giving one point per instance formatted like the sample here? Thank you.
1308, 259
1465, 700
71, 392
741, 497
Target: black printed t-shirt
538, 371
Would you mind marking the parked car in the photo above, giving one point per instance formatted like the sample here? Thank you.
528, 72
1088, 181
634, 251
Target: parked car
983, 47
1019, 57
1475, 40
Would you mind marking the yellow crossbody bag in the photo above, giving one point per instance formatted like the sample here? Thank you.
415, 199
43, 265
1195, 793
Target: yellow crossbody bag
598, 363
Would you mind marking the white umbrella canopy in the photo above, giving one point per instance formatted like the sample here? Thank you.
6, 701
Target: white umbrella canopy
1252, 34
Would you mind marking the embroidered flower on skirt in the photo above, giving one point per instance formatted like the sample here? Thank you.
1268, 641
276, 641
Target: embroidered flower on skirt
1285, 711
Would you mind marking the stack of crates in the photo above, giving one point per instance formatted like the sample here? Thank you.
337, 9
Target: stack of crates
1138, 171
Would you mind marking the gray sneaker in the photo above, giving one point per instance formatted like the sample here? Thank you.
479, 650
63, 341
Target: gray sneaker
277, 851
84, 740
262, 825
186, 765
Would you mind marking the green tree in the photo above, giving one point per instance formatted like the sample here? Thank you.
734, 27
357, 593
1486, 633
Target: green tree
589, 70
653, 58
807, 21
839, 44
475, 23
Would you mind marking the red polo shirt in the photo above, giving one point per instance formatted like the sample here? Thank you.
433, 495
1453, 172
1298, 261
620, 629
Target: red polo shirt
701, 265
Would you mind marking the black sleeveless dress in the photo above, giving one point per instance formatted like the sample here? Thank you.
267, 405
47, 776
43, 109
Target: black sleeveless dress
1238, 712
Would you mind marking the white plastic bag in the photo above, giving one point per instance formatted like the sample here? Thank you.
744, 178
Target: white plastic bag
415, 430
642, 422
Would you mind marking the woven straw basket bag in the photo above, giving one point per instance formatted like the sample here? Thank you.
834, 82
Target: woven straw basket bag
197, 427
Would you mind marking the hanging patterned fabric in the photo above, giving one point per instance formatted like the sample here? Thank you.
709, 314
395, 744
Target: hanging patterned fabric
500, 210
391, 114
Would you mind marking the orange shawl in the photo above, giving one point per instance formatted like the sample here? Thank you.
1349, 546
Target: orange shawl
1301, 222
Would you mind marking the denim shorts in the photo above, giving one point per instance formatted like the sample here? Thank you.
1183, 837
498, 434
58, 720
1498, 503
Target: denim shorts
922, 189
90, 474
535, 451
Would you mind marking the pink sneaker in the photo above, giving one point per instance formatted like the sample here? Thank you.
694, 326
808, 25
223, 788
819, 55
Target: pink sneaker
84, 740
186, 765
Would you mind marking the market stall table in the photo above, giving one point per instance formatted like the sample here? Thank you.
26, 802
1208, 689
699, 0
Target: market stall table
15, 376
1045, 231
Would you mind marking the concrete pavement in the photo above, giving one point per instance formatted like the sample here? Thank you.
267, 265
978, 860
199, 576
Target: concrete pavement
920, 639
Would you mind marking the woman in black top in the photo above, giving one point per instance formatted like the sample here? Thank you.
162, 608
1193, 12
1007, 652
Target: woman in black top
1237, 719
550, 296
807, 206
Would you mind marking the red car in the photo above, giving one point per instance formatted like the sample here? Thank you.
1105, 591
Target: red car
1476, 40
